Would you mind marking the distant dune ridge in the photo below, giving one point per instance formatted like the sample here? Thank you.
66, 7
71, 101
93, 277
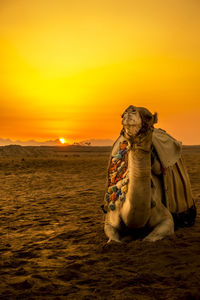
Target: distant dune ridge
89, 142
12, 151
5, 142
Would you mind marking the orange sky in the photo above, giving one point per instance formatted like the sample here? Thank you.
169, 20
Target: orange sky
70, 68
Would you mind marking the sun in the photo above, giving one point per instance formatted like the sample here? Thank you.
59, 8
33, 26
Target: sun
62, 140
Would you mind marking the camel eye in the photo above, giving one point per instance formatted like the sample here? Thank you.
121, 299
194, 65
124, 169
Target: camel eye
134, 111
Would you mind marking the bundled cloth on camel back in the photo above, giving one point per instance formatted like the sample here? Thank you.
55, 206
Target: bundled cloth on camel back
176, 180
166, 156
177, 189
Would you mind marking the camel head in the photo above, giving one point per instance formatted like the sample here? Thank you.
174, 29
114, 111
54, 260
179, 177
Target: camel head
136, 121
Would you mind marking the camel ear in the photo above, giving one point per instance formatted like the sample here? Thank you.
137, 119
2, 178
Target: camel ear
155, 118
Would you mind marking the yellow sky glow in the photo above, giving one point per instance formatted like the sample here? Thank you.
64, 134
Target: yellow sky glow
70, 68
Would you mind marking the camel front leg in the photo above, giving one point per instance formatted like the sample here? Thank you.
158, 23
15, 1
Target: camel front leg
116, 235
114, 227
162, 224
112, 233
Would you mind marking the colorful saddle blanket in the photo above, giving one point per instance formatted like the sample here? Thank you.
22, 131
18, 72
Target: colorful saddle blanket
117, 177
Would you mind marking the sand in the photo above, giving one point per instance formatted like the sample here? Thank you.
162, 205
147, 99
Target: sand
52, 243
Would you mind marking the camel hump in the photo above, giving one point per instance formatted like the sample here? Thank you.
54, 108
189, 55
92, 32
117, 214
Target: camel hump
167, 147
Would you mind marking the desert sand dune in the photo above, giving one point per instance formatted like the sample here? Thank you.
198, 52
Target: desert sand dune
52, 244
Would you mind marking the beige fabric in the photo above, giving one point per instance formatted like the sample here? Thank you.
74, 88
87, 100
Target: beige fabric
167, 148
178, 195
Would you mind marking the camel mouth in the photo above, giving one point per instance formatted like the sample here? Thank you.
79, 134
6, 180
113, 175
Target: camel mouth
130, 131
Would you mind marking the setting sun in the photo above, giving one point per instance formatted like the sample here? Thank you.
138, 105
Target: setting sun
62, 140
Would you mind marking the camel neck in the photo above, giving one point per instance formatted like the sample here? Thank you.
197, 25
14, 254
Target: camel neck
137, 206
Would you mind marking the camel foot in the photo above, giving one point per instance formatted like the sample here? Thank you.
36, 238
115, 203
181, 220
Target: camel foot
152, 238
109, 243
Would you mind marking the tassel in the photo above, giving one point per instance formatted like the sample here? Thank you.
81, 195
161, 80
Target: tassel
112, 206
114, 188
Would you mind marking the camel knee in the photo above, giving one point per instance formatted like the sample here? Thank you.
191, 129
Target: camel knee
133, 219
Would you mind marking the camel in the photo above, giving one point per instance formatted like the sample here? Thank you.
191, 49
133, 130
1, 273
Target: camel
148, 186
